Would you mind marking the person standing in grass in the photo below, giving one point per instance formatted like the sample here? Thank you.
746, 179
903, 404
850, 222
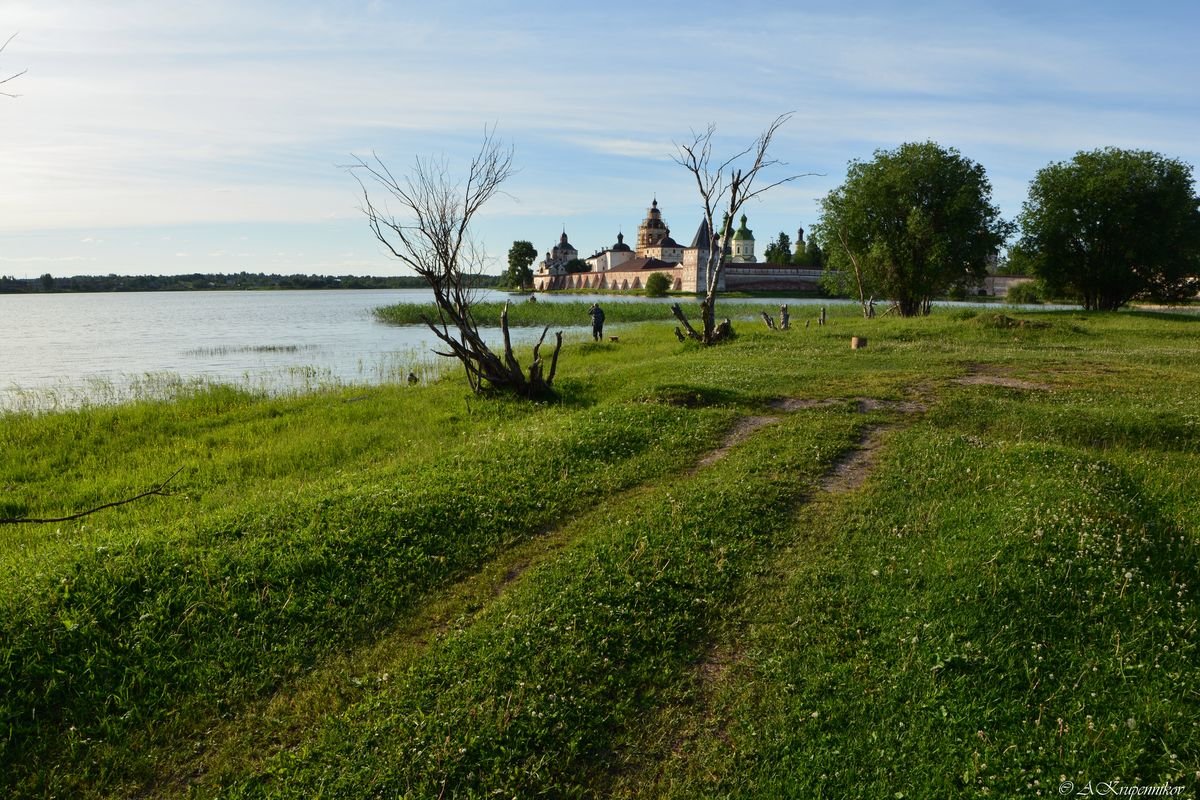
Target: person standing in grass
597, 315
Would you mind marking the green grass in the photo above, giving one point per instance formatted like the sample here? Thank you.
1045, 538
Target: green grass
567, 314
406, 591
1036, 626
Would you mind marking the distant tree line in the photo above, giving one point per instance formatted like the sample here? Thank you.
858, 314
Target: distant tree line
211, 282
808, 254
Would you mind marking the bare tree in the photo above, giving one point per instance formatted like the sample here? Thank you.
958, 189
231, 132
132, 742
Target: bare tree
723, 186
432, 236
10, 77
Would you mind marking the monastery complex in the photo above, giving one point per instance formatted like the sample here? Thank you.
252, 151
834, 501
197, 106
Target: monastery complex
623, 268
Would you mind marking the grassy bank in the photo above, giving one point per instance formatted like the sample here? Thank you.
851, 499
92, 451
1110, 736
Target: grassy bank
409, 592
569, 314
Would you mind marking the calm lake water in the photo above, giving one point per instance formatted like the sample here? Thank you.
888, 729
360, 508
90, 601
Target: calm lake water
63, 350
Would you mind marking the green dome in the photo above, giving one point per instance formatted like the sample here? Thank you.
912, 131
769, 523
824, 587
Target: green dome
743, 233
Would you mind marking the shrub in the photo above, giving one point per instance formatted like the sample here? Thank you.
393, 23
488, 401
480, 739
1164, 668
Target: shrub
1024, 293
657, 285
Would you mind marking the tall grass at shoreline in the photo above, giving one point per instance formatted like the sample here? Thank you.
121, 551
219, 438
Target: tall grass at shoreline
568, 314
293, 381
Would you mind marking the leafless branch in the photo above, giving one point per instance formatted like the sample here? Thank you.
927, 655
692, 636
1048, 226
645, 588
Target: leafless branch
157, 490
429, 231
10, 77
725, 187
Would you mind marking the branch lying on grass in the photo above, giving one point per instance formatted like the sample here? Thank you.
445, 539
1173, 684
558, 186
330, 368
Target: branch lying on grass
157, 490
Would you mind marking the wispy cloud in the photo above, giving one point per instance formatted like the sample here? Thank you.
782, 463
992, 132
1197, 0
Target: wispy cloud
233, 113
630, 148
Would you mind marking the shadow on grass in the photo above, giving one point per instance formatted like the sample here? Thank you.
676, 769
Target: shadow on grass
1173, 315
689, 396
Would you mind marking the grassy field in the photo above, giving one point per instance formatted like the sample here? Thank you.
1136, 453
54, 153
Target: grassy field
959, 563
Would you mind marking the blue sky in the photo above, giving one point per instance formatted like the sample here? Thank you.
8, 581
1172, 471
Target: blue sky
154, 136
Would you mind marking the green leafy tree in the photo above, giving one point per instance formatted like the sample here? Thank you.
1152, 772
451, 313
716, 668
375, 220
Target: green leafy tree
779, 251
1024, 293
657, 285
1016, 262
812, 257
1111, 225
520, 257
910, 224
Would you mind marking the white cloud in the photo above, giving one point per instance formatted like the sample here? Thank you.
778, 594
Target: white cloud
632, 148
169, 113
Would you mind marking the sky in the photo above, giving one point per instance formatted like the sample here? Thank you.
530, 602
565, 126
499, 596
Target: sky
170, 137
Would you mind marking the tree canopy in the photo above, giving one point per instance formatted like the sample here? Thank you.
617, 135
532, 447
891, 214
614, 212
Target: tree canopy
808, 254
520, 257
779, 251
657, 285
1111, 225
911, 224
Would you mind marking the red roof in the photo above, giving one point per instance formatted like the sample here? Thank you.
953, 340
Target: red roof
643, 264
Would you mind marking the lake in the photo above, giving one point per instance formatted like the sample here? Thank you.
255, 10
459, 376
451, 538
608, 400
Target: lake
64, 350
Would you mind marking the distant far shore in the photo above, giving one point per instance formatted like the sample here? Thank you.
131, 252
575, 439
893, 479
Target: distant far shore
198, 282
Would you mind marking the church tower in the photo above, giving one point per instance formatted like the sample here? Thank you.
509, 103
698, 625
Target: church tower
743, 244
652, 230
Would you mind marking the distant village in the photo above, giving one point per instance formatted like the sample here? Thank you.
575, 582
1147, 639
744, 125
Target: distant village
625, 268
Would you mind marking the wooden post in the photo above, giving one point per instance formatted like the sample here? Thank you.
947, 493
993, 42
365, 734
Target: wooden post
784, 318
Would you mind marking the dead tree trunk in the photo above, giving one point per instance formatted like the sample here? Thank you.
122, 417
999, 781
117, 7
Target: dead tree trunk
487, 370
433, 238
722, 186
712, 331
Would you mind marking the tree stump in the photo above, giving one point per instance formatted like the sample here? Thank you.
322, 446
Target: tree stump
784, 318
858, 342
